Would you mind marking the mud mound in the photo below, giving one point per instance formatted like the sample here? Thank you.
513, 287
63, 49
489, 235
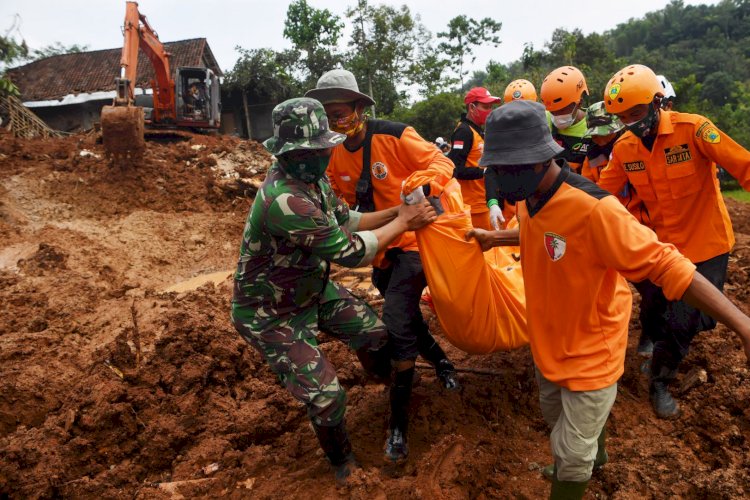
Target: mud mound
114, 387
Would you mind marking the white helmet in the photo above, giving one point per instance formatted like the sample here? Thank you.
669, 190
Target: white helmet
669, 92
439, 141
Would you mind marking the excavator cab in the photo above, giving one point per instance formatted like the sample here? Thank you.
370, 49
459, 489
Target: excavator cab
197, 98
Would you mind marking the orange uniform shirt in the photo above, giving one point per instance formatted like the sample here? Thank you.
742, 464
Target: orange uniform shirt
467, 146
627, 196
678, 184
396, 151
577, 247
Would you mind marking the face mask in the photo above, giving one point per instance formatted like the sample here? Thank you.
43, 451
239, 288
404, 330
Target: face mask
565, 121
519, 182
479, 116
642, 127
597, 150
350, 125
308, 170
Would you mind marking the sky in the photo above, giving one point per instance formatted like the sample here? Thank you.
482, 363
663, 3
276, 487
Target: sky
255, 24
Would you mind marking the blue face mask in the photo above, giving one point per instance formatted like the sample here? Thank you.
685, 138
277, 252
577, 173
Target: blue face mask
518, 182
308, 170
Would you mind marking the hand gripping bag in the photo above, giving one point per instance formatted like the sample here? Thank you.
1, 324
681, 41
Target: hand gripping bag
478, 296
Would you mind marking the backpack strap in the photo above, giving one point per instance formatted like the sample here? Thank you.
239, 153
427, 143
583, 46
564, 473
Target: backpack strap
364, 194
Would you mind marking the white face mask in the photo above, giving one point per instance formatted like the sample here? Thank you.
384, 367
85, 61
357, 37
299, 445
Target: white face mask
564, 121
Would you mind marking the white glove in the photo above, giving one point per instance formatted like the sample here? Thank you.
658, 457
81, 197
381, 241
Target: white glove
496, 217
413, 198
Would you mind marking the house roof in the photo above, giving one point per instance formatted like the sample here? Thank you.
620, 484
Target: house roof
87, 72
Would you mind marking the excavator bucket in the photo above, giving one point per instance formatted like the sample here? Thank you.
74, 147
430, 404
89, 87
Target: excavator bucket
122, 131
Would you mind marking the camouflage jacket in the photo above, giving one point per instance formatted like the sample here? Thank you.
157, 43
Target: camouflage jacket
294, 230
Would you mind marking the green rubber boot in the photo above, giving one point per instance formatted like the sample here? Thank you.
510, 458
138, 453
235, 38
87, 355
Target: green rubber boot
567, 490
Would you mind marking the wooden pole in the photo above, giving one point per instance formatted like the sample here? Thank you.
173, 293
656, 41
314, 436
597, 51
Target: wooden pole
247, 115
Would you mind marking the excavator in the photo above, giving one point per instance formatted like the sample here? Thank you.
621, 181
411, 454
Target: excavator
187, 99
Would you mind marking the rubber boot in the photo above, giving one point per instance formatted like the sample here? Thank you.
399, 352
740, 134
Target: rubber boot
335, 444
377, 363
645, 345
567, 490
444, 369
664, 404
396, 446
601, 455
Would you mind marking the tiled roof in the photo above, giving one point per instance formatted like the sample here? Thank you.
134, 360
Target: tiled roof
57, 76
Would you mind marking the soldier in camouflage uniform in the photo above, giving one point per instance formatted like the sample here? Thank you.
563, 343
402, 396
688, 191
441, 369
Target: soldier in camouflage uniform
282, 294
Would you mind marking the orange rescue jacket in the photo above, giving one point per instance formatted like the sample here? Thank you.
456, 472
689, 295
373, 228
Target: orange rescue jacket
678, 184
396, 151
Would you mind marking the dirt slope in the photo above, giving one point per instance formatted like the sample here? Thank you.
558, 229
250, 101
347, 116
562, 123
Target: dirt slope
114, 387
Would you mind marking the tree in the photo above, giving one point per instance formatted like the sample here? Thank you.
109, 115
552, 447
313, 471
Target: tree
264, 75
315, 32
11, 51
465, 33
57, 49
385, 46
433, 117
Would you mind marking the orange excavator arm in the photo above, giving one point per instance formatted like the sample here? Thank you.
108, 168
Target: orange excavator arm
138, 33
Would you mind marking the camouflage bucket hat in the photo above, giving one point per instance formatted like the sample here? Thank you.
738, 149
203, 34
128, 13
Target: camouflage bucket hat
599, 122
300, 123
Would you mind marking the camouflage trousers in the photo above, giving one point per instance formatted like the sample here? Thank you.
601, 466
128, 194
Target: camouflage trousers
289, 346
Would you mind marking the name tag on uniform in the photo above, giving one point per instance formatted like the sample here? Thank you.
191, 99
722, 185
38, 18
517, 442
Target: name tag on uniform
677, 154
634, 166
345, 178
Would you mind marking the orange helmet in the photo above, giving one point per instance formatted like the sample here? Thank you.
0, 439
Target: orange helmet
562, 87
632, 85
520, 89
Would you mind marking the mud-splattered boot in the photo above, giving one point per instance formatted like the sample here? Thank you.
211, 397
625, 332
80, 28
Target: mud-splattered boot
396, 446
567, 490
444, 369
664, 404
335, 443
377, 363
645, 345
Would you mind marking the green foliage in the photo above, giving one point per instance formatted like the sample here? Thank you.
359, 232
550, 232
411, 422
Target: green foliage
314, 32
463, 35
433, 117
57, 49
264, 74
11, 52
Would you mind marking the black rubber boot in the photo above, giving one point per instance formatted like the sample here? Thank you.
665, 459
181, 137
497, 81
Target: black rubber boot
444, 369
567, 490
661, 375
376, 363
335, 443
645, 345
396, 446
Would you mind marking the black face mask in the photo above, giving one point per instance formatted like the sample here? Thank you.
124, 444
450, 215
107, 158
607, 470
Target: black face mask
518, 182
642, 127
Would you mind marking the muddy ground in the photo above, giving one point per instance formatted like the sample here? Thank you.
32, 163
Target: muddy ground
121, 376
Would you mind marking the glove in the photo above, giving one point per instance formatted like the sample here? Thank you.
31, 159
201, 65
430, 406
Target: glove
496, 217
414, 197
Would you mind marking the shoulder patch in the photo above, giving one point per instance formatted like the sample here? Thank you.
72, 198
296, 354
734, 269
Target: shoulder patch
711, 135
634, 166
677, 154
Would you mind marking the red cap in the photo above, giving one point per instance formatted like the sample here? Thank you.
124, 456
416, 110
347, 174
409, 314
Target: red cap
480, 94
